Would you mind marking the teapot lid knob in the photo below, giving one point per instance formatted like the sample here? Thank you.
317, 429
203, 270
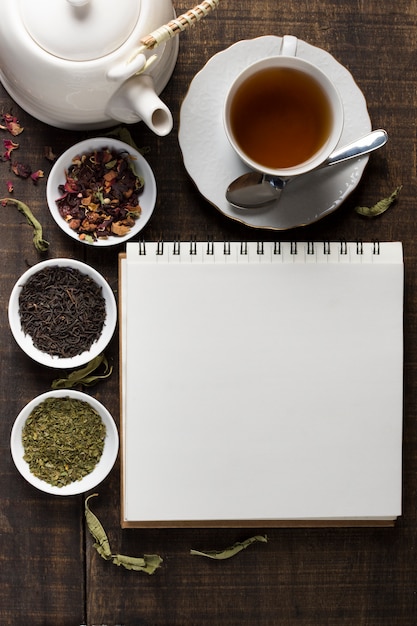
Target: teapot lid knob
97, 26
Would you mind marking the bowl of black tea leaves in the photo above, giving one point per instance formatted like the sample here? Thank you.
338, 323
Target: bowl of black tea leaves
64, 442
62, 313
101, 191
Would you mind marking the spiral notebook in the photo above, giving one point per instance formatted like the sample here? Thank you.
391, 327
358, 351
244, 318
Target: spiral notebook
261, 383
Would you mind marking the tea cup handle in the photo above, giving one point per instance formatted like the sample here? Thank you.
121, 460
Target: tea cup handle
288, 46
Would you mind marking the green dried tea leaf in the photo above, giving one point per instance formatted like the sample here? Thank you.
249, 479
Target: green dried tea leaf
84, 376
40, 244
380, 207
96, 529
63, 440
232, 551
148, 563
122, 133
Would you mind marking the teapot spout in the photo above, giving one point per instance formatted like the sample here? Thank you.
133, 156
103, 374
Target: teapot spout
136, 100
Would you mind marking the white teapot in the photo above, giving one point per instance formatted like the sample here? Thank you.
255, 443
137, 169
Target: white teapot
74, 64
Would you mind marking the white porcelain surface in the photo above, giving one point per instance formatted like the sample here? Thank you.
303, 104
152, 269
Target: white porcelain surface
68, 23
56, 177
212, 163
64, 85
25, 341
103, 467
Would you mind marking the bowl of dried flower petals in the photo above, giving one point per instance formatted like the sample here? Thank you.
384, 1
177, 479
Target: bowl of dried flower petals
64, 442
62, 313
101, 191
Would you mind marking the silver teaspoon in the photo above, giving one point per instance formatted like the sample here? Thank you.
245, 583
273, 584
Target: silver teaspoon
254, 189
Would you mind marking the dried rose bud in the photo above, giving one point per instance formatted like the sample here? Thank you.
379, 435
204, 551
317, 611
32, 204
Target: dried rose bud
10, 187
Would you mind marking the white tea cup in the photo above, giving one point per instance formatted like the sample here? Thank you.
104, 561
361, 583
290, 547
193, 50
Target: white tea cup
282, 115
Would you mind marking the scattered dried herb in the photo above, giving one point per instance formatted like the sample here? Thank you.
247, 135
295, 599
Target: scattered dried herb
40, 244
227, 553
380, 207
85, 376
122, 133
21, 170
148, 563
63, 310
9, 146
49, 153
100, 197
63, 440
11, 124
35, 176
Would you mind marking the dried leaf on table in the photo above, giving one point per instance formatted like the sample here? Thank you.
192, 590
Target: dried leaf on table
380, 207
148, 563
227, 553
122, 133
85, 376
96, 529
40, 244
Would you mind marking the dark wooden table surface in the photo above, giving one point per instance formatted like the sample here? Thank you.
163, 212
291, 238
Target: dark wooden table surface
50, 574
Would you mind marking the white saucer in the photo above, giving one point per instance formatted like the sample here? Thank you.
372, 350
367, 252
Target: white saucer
212, 164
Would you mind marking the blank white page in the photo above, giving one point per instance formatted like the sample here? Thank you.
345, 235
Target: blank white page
262, 386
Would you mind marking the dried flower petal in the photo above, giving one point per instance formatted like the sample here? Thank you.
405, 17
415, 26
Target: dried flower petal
21, 170
49, 153
11, 123
36, 176
9, 146
10, 187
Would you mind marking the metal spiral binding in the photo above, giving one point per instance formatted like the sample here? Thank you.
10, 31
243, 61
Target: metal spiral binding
310, 247
193, 246
260, 247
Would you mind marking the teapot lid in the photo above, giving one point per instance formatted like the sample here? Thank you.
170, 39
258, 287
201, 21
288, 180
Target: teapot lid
79, 30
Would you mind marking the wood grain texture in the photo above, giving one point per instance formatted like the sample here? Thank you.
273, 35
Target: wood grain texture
50, 573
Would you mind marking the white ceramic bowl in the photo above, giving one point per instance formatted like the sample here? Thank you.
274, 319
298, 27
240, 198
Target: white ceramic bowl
103, 467
56, 177
25, 341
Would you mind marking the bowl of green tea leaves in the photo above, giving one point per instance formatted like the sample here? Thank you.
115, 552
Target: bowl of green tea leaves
101, 191
64, 442
62, 313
